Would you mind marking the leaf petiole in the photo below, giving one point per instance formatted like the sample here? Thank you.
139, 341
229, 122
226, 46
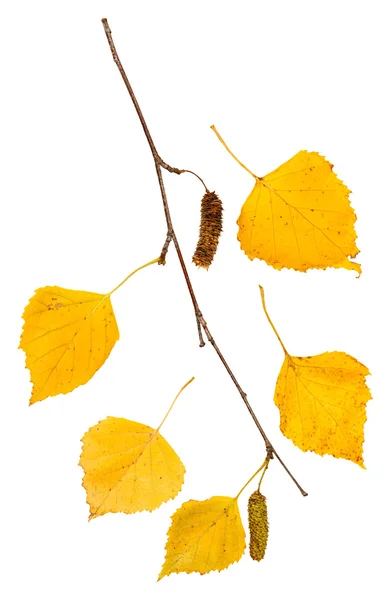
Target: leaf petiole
152, 262
264, 465
270, 321
173, 402
263, 474
231, 153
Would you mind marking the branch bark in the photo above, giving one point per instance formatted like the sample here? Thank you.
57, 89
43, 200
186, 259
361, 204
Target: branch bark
171, 236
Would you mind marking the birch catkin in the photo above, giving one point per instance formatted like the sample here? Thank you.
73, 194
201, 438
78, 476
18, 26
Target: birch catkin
210, 229
258, 525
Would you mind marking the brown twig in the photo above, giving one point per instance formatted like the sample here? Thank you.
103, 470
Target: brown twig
171, 236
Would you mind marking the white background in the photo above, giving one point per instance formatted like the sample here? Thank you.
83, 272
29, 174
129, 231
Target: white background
81, 209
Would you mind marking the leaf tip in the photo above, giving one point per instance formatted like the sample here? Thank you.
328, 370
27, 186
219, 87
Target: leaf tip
359, 460
352, 266
34, 400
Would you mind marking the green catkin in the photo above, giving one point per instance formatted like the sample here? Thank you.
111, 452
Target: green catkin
258, 525
210, 230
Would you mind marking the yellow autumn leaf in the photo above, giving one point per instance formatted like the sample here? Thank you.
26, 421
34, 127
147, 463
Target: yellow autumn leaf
129, 467
299, 216
322, 401
204, 536
67, 336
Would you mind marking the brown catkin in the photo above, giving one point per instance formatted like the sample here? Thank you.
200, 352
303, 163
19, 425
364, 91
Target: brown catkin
258, 525
210, 229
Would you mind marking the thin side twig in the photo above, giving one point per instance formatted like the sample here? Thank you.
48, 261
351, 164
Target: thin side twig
171, 236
